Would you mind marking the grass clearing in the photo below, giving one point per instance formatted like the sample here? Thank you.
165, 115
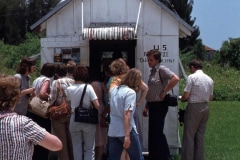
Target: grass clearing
223, 130
222, 138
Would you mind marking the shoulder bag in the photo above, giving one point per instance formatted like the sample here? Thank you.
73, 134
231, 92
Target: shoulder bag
86, 115
62, 110
38, 106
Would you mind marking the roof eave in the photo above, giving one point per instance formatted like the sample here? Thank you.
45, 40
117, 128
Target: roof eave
184, 32
183, 24
51, 13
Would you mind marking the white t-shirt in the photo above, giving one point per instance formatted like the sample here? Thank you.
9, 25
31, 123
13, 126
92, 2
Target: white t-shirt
74, 94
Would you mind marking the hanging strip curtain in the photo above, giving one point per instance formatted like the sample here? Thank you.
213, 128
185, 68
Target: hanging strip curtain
109, 33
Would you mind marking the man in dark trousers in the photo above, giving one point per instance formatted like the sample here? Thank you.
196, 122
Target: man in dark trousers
161, 80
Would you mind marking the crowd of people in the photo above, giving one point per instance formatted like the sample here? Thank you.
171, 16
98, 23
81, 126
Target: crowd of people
29, 136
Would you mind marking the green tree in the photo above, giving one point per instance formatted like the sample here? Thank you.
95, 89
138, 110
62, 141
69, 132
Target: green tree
229, 53
2, 19
39, 8
192, 43
13, 18
16, 16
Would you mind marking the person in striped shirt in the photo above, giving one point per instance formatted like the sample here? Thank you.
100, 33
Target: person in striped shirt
18, 133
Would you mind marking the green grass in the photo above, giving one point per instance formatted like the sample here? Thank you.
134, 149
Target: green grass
222, 135
222, 138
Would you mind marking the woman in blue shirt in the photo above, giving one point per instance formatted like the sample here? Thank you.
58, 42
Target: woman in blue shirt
122, 129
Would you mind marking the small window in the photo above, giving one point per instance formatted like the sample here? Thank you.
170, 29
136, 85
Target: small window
63, 55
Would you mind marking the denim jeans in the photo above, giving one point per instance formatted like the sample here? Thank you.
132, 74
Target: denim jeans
116, 147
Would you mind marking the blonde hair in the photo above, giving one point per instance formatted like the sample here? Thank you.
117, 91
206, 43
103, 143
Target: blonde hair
133, 79
118, 67
9, 92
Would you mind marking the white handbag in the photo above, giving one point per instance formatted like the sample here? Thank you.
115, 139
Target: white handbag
39, 107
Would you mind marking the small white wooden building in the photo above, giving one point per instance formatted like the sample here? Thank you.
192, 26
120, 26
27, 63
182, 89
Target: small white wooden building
90, 31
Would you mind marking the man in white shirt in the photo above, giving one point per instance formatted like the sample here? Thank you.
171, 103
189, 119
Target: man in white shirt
198, 92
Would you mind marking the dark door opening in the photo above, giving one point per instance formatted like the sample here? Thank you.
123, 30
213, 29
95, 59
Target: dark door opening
102, 52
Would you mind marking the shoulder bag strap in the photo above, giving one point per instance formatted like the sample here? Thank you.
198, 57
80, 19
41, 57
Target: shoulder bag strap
160, 74
161, 77
61, 90
81, 101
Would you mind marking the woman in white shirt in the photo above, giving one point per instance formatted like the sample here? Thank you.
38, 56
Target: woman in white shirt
83, 134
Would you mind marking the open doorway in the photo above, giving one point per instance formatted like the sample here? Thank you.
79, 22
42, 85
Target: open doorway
102, 52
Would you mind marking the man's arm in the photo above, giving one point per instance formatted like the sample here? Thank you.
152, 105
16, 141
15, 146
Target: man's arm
185, 96
173, 81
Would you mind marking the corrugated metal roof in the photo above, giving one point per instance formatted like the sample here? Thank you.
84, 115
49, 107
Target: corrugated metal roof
64, 3
109, 33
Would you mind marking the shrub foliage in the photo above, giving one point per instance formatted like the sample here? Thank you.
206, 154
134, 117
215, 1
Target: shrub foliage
226, 79
10, 55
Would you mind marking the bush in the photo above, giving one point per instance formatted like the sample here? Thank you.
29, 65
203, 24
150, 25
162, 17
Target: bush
226, 80
10, 55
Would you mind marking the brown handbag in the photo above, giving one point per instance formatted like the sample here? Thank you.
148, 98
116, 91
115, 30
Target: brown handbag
62, 110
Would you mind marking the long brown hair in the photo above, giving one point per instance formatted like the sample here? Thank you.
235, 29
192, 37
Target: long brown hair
133, 79
25, 65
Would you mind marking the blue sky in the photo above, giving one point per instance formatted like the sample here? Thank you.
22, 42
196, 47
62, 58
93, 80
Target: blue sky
218, 20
